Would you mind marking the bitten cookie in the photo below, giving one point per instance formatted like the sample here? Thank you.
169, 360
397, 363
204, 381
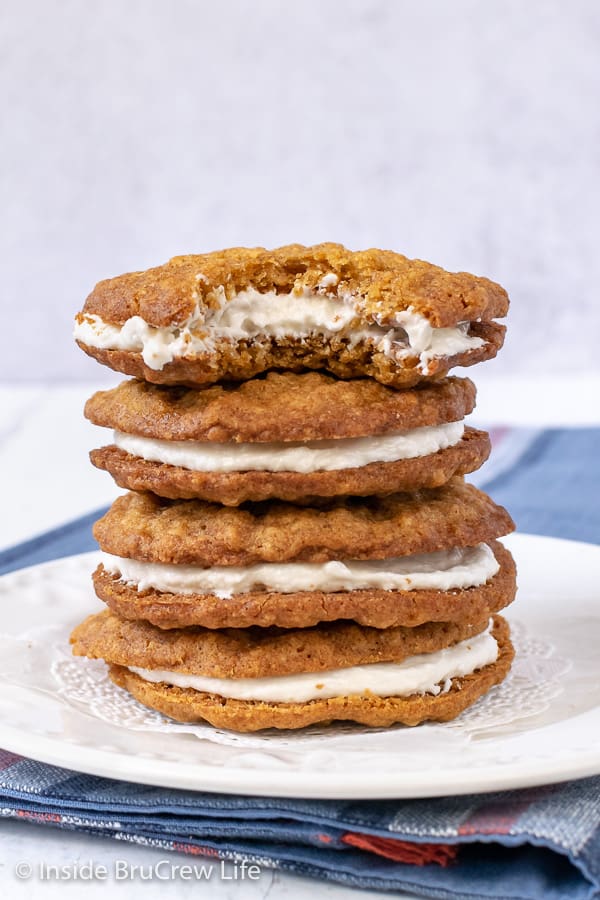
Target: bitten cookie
235, 313
230, 443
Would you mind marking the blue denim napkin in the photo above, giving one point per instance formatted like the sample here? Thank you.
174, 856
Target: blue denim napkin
522, 845
538, 843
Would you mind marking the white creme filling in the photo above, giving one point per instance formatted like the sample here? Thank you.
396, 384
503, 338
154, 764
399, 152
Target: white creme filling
250, 315
426, 673
444, 570
295, 456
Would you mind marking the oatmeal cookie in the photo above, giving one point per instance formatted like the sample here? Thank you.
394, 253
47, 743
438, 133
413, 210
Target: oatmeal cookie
302, 609
259, 652
188, 705
234, 313
317, 407
192, 532
233, 488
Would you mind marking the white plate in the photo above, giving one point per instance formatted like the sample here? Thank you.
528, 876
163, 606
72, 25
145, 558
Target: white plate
541, 726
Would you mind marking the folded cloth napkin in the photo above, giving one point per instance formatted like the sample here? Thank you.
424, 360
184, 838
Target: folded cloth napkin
548, 480
522, 845
529, 844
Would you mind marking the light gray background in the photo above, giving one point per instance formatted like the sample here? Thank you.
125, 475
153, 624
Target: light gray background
463, 132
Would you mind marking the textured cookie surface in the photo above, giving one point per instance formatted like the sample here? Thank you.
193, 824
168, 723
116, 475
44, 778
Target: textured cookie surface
149, 528
317, 407
259, 652
387, 282
186, 705
233, 488
374, 608
381, 285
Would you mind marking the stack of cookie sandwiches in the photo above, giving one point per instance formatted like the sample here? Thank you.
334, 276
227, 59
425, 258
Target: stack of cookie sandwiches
297, 543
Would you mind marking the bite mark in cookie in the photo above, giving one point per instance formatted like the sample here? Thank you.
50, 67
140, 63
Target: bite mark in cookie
235, 313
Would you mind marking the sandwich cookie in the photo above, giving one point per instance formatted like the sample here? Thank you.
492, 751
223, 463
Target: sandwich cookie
230, 443
235, 313
247, 682
404, 559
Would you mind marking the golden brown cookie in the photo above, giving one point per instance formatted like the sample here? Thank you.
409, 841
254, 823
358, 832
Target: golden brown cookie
193, 532
187, 705
259, 652
233, 488
168, 432
317, 407
376, 322
374, 608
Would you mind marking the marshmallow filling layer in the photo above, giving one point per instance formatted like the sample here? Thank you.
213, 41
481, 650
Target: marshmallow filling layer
445, 570
426, 673
251, 315
295, 456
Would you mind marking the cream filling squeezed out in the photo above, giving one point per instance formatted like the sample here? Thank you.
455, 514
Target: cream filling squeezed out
444, 570
310, 456
426, 673
251, 315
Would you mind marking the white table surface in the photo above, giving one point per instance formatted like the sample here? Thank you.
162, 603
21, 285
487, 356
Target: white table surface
48, 480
